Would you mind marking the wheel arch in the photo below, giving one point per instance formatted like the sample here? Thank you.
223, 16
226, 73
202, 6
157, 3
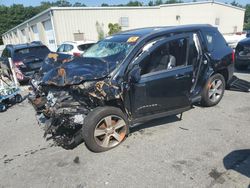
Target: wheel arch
224, 73
118, 103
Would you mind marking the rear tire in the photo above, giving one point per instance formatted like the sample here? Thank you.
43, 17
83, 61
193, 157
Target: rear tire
213, 91
18, 98
105, 128
3, 107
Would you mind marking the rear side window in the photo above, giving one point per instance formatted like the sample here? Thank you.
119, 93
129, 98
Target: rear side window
38, 51
68, 47
6, 53
215, 40
84, 47
61, 48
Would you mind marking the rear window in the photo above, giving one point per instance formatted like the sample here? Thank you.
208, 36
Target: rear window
215, 40
84, 47
38, 51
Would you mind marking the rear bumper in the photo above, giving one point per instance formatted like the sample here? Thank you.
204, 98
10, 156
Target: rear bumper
230, 72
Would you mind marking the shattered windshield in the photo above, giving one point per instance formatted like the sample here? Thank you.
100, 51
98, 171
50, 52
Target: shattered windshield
114, 52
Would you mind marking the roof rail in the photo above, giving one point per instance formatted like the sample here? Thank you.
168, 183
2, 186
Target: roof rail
9, 45
37, 42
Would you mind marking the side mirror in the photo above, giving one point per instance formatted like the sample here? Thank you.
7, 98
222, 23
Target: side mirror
135, 74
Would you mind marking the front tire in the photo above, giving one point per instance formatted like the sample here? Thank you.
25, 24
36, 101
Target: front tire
213, 91
105, 128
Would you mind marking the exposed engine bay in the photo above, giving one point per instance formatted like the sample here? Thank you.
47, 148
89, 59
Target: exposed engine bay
62, 101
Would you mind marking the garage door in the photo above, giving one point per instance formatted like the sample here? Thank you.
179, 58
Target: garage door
49, 33
23, 36
35, 33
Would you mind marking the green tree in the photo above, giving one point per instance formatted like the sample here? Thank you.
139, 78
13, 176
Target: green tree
158, 2
134, 3
15, 14
150, 3
247, 18
77, 4
234, 3
173, 1
104, 5
114, 28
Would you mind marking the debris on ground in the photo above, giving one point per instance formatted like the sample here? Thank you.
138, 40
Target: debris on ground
239, 84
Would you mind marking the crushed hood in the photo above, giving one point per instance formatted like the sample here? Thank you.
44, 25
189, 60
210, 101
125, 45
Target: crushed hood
63, 70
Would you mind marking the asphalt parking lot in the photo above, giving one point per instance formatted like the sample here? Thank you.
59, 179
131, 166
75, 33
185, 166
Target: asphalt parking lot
209, 147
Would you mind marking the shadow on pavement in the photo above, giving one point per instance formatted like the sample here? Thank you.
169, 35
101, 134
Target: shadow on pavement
154, 123
239, 161
247, 71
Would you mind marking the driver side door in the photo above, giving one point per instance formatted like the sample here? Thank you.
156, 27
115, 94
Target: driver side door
160, 88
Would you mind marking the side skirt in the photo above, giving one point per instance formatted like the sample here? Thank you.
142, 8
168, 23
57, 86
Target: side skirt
134, 122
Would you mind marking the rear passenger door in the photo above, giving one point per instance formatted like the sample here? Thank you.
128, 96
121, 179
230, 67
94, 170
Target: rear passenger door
161, 87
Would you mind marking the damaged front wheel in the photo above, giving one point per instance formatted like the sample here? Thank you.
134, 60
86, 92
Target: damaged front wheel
105, 128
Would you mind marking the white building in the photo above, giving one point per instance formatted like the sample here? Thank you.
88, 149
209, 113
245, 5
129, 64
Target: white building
58, 24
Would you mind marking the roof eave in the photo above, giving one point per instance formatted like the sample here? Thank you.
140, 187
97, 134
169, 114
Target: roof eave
25, 22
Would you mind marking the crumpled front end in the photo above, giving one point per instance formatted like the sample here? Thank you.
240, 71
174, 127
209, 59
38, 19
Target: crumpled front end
65, 92
62, 111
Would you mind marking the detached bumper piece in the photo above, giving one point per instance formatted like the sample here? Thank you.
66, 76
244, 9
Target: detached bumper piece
63, 136
239, 84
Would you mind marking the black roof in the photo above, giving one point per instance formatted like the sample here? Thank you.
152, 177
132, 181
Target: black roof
143, 32
149, 30
25, 45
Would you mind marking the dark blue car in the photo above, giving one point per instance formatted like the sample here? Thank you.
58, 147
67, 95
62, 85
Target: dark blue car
27, 58
129, 78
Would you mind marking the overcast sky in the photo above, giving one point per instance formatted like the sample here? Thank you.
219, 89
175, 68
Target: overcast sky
95, 2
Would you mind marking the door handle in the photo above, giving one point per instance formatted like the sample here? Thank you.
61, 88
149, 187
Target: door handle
181, 76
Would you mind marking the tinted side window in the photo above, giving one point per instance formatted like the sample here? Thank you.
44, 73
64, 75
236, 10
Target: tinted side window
215, 40
167, 56
61, 48
6, 53
68, 47
84, 47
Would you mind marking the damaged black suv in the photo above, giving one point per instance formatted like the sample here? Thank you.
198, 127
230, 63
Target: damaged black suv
130, 78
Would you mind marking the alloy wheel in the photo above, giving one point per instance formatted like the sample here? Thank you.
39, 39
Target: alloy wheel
215, 90
110, 131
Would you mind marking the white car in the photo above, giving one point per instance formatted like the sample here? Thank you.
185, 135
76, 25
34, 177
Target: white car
75, 48
233, 39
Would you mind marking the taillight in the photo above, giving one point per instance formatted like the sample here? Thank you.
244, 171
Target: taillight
77, 54
18, 63
233, 56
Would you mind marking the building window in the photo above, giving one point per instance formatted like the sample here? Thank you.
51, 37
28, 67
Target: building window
124, 21
78, 36
235, 29
217, 21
